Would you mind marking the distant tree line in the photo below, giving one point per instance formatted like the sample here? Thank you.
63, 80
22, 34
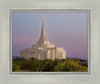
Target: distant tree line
35, 65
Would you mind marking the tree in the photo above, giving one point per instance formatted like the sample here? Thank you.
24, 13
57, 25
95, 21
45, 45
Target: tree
77, 60
48, 65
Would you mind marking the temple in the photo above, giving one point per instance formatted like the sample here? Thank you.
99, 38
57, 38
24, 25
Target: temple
43, 49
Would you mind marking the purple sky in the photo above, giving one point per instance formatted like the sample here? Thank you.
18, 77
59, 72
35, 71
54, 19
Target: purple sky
67, 30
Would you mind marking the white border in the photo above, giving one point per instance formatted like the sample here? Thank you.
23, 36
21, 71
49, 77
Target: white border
6, 78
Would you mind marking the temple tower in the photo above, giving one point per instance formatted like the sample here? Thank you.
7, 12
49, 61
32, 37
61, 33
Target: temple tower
43, 38
43, 49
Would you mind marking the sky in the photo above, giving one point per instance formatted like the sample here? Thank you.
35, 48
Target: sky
66, 30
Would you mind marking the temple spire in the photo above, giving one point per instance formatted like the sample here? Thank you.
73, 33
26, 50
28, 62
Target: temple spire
43, 35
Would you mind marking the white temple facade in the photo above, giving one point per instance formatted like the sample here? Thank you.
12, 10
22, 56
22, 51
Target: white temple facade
43, 49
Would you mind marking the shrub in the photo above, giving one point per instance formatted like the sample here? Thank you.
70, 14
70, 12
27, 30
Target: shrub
72, 66
15, 67
61, 67
83, 69
68, 65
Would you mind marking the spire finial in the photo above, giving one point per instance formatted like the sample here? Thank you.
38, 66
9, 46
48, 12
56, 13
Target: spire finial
43, 35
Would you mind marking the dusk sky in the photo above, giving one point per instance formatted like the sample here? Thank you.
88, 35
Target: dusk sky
66, 30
